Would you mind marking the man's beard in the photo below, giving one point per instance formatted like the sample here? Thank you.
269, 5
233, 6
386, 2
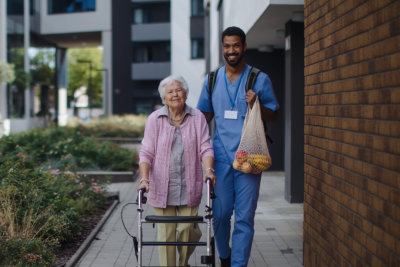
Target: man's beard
236, 62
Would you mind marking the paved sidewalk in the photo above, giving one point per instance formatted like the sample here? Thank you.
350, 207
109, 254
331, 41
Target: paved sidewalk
277, 241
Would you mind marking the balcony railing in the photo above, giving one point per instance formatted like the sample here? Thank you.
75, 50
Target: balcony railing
151, 32
150, 70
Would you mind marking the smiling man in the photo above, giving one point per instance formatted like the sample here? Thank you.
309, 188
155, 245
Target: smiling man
227, 104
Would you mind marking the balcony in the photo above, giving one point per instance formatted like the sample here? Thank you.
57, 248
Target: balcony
150, 70
151, 32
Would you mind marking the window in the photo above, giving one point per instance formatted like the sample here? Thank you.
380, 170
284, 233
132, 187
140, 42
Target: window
197, 48
16, 7
151, 52
151, 13
145, 105
197, 8
70, 6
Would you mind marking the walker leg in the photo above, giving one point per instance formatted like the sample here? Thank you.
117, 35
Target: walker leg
213, 251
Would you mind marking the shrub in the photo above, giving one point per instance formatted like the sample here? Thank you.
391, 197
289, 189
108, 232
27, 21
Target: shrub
39, 208
66, 149
21, 252
42, 198
112, 126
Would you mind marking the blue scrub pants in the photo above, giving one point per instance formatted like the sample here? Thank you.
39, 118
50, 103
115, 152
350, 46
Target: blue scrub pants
235, 191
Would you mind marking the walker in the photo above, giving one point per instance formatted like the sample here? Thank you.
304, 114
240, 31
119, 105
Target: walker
208, 259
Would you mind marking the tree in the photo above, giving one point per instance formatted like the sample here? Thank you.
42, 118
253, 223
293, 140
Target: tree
79, 73
42, 71
7, 74
43, 76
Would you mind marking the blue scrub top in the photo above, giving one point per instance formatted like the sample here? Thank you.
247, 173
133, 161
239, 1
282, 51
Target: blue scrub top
228, 131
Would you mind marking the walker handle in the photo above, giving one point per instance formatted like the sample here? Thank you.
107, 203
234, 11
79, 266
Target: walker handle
210, 184
141, 196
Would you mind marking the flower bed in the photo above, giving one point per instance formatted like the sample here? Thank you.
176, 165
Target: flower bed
43, 201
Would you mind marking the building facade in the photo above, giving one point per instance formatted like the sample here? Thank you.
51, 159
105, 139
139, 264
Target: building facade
153, 39
143, 41
52, 24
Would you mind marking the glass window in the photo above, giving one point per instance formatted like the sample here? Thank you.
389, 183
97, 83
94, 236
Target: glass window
197, 7
144, 105
70, 6
16, 7
151, 52
151, 13
197, 48
138, 16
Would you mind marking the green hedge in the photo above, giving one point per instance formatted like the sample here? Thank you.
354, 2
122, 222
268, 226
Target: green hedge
66, 148
112, 126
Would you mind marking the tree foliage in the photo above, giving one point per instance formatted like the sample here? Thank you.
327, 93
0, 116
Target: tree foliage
42, 67
79, 72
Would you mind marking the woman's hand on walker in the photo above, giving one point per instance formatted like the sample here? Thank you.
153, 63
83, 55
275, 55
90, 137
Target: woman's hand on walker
210, 174
144, 184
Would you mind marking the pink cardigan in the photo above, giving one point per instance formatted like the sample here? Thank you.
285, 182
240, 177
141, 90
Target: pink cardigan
156, 149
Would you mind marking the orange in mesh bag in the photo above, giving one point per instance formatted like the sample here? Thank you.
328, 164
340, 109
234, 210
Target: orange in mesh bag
252, 155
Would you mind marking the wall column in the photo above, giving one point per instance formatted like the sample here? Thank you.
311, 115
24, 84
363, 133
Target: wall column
106, 41
62, 83
28, 93
3, 57
294, 112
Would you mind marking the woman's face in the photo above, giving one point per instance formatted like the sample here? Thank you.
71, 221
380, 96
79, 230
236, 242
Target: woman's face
174, 95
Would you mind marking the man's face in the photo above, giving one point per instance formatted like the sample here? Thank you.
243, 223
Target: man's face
233, 50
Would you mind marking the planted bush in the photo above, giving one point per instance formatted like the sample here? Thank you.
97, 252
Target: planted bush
68, 149
42, 198
39, 208
112, 126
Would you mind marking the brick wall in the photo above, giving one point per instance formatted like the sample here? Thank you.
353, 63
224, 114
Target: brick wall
352, 129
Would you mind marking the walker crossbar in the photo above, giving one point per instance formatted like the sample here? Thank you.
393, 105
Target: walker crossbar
157, 243
173, 219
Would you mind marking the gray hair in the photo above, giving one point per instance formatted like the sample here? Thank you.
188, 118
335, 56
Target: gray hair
171, 79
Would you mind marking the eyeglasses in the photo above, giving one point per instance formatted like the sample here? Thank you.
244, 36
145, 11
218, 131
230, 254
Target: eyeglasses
174, 91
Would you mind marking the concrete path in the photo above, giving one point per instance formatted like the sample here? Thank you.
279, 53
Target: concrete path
277, 241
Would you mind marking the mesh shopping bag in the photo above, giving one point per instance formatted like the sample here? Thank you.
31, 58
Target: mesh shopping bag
252, 155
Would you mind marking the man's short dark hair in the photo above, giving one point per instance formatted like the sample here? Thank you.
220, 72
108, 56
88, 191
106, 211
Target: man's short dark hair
230, 31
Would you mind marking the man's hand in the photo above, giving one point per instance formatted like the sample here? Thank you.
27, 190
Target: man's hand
266, 114
251, 98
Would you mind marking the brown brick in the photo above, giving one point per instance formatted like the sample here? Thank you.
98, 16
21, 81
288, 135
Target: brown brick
352, 131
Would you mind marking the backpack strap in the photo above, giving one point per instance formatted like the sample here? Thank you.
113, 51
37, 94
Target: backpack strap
251, 78
212, 77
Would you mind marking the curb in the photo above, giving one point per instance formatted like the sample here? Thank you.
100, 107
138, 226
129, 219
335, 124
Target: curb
85, 245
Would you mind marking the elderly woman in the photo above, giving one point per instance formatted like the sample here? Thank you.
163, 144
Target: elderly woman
176, 141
